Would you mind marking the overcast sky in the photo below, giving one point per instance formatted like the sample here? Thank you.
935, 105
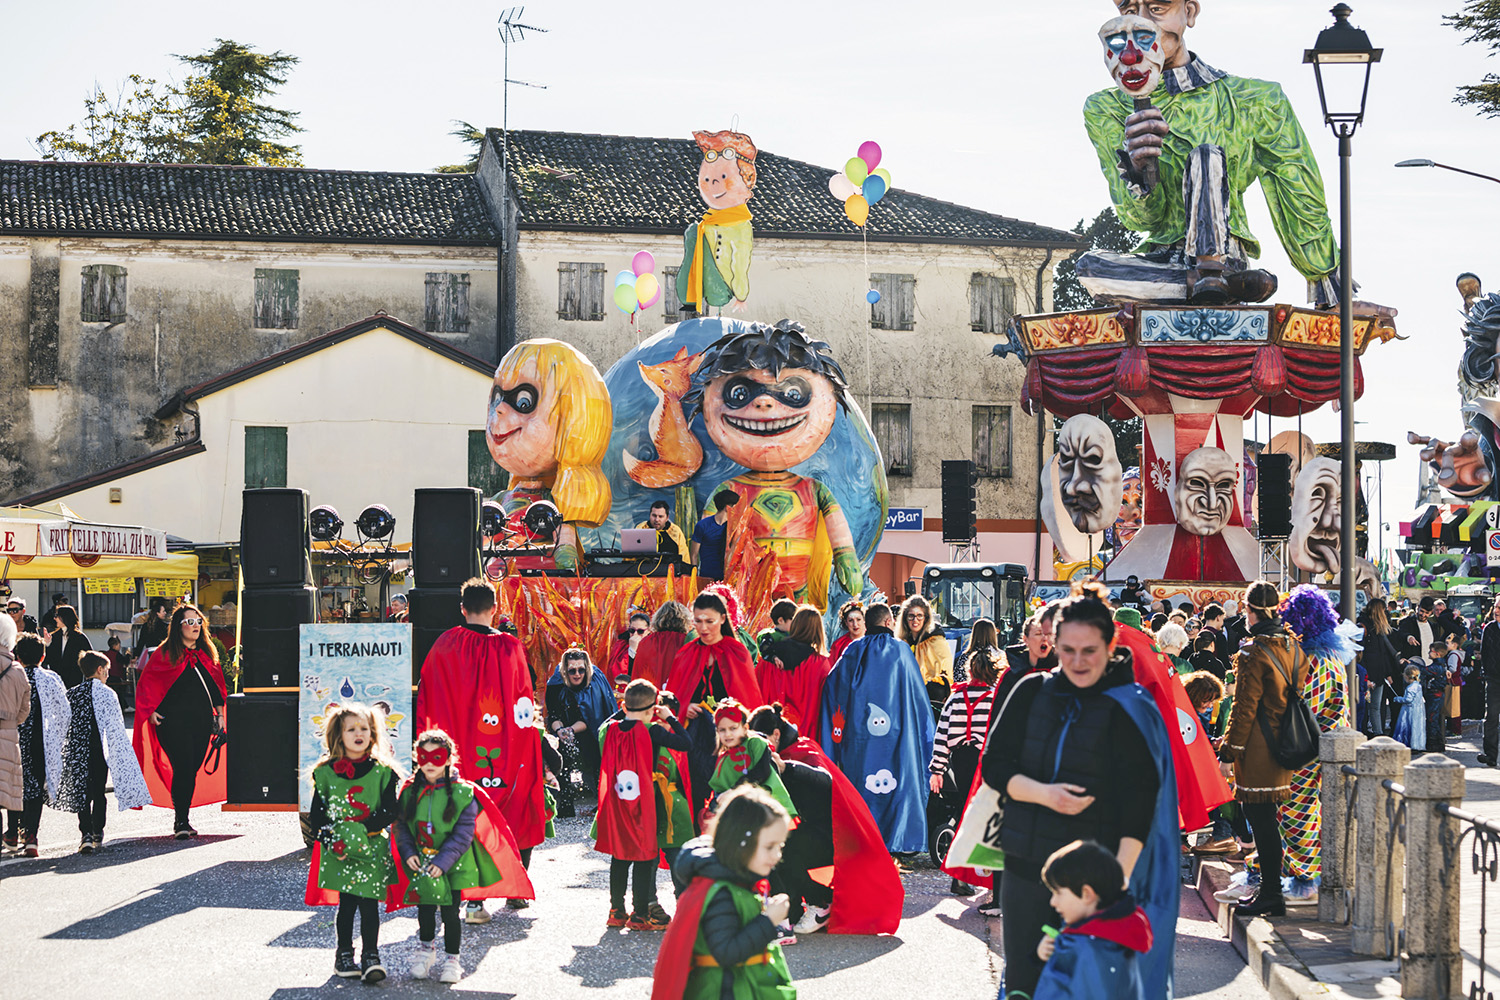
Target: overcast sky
974, 102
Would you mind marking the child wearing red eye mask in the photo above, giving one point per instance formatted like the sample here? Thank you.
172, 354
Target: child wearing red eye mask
453, 846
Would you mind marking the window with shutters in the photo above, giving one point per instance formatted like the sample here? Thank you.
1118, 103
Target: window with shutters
892, 425
671, 305
447, 303
992, 440
275, 298
580, 291
484, 475
897, 308
992, 302
265, 457
103, 294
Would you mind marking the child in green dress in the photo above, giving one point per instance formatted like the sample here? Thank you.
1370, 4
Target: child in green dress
745, 756
353, 806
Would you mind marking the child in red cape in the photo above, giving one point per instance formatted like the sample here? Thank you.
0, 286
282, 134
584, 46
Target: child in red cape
723, 940
176, 774
836, 859
794, 668
626, 824
476, 687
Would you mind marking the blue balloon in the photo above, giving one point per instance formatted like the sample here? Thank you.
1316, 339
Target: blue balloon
874, 188
872, 296
626, 277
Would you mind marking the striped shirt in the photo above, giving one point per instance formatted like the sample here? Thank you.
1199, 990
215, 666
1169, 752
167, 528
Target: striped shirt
965, 718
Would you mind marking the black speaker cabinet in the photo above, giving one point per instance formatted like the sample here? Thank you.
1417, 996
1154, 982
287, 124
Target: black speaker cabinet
275, 545
445, 537
1273, 494
960, 500
434, 610
261, 758
271, 617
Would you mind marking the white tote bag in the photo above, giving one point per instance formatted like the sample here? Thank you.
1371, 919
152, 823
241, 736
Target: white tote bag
977, 843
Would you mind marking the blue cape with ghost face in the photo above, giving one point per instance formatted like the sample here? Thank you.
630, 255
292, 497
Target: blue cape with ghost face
878, 728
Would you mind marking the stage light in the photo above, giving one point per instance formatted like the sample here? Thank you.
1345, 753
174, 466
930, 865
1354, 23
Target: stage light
324, 523
376, 521
491, 519
542, 519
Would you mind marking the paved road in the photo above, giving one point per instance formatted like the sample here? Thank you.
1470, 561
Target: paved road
222, 916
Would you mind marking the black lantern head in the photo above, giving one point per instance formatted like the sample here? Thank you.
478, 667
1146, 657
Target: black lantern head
491, 519
542, 519
1346, 53
376, 521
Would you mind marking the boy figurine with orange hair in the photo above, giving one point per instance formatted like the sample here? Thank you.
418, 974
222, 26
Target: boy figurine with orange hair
716, 259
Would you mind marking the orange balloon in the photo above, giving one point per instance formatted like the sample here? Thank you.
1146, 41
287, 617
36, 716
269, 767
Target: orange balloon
857, 209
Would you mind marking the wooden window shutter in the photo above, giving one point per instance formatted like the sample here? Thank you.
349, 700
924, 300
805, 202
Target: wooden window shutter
484, 475
992, 440
103, 294
595, 293
979, 300
447, 307
1002, 303
276, 295
568, 290
891, 423
265, 457
670, 303
906, 298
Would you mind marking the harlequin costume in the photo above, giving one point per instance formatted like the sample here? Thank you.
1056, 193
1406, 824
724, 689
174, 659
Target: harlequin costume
1096, 958
476, 687
787, 514
751, 761
42, 734
719, 933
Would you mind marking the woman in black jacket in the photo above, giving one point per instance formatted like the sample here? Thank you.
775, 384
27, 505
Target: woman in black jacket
66, 645
1382, 665
1071, 764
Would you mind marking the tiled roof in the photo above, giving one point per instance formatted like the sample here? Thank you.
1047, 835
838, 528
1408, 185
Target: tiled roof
173, 201
574, 181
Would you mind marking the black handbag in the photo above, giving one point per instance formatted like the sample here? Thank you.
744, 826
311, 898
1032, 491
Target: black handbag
1296, 745
217, 737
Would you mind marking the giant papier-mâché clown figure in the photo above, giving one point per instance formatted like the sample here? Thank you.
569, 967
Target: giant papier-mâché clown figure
716, 251
548, 426
769, 396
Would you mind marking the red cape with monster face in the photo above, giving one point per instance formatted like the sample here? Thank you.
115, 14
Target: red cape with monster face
476, 687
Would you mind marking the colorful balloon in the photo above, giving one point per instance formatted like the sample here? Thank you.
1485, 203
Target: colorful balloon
643, 263
856, 171
869, 152
857, 209
841, 187
647, 290
625, 298
872, 296
874, 189
625, 278
884, 175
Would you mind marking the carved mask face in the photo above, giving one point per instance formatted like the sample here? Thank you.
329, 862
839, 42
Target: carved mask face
769, 422
1171, 18
1317, 503
1133, 54
1205, 490
1089, 473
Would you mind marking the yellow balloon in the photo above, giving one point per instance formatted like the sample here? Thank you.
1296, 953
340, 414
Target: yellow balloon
857, 209
646, 287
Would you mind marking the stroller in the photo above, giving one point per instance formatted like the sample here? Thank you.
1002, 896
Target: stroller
945, 810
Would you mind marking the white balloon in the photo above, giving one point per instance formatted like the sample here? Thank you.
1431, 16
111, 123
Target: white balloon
841, 187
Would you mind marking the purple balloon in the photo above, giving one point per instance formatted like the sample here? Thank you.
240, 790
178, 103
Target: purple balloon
869, 151
644, 263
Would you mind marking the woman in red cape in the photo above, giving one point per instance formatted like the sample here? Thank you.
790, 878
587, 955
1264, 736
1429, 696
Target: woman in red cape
797, 680
186, 657
476, 687
654, 656
852, 618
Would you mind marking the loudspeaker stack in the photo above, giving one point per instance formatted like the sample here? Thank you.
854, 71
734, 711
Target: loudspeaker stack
444, 553
1273, 494
960, 501
279, 597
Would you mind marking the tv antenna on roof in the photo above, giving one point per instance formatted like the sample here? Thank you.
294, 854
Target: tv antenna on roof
511, 30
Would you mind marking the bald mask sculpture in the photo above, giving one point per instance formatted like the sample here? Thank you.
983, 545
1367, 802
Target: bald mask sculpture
1090, 479
1204, 498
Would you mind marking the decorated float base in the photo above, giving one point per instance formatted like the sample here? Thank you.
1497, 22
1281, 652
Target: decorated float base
1193, 374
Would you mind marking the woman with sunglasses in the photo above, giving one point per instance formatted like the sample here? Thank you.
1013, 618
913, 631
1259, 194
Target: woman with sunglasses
622, 651
180, 691
580, 699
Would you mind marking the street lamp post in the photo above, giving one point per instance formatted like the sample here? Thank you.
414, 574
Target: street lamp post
1444, 166
1341, 61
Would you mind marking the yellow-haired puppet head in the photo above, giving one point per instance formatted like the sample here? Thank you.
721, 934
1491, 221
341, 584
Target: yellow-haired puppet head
550, 421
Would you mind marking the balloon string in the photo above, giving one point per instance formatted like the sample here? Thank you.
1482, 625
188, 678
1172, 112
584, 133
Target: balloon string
864, 237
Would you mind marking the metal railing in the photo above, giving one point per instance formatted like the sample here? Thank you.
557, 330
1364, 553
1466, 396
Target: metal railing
1484, 853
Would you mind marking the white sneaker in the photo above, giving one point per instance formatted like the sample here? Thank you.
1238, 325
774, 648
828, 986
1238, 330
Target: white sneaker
1235, 893
450, 971
814, 919
476, 913
425, 959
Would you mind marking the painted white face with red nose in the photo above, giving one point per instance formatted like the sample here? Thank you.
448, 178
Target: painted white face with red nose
1133, 54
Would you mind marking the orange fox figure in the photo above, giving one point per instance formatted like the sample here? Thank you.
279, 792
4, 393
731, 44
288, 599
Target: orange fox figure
678, 453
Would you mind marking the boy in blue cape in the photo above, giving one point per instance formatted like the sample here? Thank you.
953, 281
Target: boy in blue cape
878, 728
1094, 956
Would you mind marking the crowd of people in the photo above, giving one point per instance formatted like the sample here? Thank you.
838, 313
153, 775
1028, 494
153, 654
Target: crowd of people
773, 773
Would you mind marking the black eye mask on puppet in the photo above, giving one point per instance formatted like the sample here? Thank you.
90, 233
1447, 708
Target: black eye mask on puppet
523, 398
740, 392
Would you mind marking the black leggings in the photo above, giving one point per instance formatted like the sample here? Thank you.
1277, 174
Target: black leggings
369, 922
95, 807
23, 821
186, 744
1027, 908
1267, 833
453, 925
643, 892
